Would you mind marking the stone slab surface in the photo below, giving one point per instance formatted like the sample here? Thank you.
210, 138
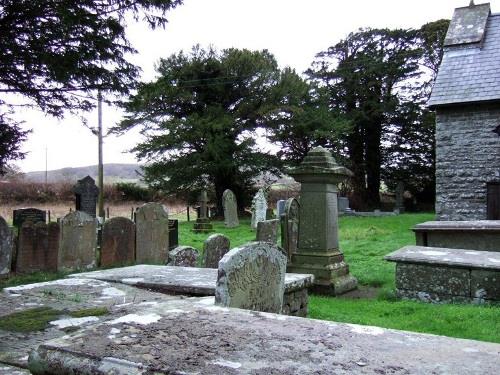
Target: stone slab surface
65, 295
10, 370
182, 280
472, 225
181, 338
448, 257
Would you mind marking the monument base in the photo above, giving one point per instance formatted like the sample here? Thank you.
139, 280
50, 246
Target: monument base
331, 273
202, 226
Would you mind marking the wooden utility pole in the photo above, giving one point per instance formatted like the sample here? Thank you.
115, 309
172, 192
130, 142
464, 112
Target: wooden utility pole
100, 171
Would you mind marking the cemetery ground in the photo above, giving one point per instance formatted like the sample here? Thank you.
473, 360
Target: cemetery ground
364, 241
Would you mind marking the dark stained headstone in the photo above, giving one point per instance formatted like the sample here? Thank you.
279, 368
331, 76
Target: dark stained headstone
214, 248
118, 242
151, 220
28, 214
37, 247
290, 227
267, 231
173, 233
6, 248
86, 193
183, 256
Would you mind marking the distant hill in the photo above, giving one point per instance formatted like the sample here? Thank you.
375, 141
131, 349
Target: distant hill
112, 173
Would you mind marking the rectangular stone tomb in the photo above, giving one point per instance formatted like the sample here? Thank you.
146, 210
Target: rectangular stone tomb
176, 338
197, 282
447, 275
481, 235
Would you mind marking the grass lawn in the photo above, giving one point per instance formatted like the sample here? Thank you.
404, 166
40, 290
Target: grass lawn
364, 241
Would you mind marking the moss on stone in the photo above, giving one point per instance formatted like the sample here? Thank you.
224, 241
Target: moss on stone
96, 311
36, 319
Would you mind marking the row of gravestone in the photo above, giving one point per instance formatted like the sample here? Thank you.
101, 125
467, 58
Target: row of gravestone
71, 243
214, 248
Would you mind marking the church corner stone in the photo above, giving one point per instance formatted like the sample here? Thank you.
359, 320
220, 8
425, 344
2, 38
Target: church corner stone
318, 250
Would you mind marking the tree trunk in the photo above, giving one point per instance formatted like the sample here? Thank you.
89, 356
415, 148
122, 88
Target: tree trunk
373, 162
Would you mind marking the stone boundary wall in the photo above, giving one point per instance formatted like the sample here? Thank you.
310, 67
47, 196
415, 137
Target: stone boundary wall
467, 157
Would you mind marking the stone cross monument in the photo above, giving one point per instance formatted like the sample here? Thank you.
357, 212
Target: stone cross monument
202, 224
318, 246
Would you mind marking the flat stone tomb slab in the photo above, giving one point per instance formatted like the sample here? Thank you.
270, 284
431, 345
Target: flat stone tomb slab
447, 275
66, 297
217, 340
184, 280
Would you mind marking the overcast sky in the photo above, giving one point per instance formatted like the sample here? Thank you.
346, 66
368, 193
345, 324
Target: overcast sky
294, 31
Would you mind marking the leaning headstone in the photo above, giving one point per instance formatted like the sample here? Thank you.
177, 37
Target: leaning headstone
267, 231
214, 248
252, 277
230, 209
290, 227
6, 248
37, 247
280, 207
21, 215
183, 256
118, 242
77, 245
151, 220
173, 234
259, 208
86, 193
202, 224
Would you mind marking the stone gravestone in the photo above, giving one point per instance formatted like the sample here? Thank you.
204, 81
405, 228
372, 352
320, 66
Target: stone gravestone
183, 256
259, 208
400, 189
290, 227
214, 248
78, 240
37, 247
318, 247
343, 204
28, 214
86, 193
6, 248
252, 277
173, 234
230, 209
202, 224
151, 220
267, 231
280, 207
118, 242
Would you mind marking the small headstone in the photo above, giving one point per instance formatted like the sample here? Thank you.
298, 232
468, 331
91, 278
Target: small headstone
280, 207
118, 242
290, 227
214, 248
151, 220
183, 256
230, 209
37, 247
6, 248
259, 208
27, 214
343, 204
267, 231
86, 193
77, 246
252, 277
173, 234
202, 224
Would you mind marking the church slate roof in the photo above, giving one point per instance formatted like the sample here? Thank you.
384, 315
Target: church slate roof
470, 70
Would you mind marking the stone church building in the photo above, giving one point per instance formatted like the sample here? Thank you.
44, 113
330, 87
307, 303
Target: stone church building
466, 98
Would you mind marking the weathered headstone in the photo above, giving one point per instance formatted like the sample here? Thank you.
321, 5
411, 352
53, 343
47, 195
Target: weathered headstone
118, 242
267, 231
400, 189
6, 248
252, 277
259, 208
280, 207
343, 204
214, 248
21, 215
77, 244
173, 234
290, 227
86, 193
37, 247
202, 224
151, 220
230, 209
183, 256
318, 247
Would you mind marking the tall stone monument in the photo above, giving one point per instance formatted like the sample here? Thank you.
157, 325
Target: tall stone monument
6, 248
86, 193
230, 209
259, 208
202, 224
318, 246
